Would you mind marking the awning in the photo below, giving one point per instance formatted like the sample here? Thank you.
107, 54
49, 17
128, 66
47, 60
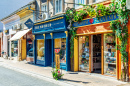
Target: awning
19, 34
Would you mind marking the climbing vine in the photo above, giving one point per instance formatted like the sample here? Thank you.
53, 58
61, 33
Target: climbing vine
119, 26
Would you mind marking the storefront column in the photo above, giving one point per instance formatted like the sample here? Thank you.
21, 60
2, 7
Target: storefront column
118, 61
129, 48
10, 48
52, 47
102, 54
90, 53
76, 58
67, 52
34, 49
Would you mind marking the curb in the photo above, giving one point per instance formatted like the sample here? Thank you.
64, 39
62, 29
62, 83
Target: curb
58, 82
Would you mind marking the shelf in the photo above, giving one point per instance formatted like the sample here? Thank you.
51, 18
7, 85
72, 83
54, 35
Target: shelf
110, 63
110, 48
110, 42
111, 57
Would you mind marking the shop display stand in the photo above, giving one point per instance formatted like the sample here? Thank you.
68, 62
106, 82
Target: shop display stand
110, 59
84, 57
109, 55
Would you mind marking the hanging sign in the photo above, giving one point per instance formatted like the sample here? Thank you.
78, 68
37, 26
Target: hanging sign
29, 23
57, 50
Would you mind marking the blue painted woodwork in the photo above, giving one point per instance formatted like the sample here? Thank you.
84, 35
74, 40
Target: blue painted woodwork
59, 35
48, 36
34, 50
51, 25
40, 62
48, 57
40, 36
52, 45
96, 21
68, 53
57, 26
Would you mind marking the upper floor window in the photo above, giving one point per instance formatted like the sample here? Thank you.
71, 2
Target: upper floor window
58, 6
98, 0
44, 7
79, 2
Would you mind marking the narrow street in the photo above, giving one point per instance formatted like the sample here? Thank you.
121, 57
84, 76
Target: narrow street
12, 78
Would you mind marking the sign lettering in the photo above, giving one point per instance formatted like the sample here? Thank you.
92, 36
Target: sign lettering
96, 21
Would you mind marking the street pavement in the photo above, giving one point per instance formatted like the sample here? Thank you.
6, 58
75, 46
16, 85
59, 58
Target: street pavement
9, 77
69, 78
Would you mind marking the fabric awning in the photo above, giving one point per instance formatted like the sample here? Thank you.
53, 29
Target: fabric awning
19, 34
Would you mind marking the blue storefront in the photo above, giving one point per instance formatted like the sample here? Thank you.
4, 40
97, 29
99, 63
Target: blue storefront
51, 43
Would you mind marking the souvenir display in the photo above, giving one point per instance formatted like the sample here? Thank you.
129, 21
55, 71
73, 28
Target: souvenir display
84, 54
109, 54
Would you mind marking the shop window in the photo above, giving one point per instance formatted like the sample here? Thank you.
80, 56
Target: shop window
84, 53
14, 48
109, 54
29, 48
40, 50
58, 6
60, 52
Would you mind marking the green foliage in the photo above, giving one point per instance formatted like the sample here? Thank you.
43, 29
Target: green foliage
79, 15
91, 11
56, 74
102, 10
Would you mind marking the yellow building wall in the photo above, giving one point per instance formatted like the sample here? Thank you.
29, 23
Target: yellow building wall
75, 54
23, 47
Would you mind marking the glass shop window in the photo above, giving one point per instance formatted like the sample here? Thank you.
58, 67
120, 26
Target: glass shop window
14, 48
29, 48
40, 49
84, 53
60, 51
109, 54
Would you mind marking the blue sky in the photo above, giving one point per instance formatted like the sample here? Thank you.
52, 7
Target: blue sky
9, 6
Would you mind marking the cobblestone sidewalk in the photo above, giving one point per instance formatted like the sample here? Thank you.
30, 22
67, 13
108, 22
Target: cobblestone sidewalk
69, 78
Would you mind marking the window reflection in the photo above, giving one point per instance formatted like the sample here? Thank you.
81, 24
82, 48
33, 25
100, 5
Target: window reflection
40, 49
109, 54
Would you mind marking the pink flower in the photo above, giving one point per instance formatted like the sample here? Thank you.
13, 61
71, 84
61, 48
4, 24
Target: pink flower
99, 11
58, 71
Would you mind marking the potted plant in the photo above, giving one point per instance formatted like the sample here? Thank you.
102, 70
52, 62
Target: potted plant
56, 74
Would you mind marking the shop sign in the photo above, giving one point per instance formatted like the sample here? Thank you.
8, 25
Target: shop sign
57, 50
6, 32
29, 23
96, 21
50, 25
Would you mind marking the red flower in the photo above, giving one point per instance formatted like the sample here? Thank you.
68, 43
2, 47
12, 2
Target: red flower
99, 11
58, 71
91, 21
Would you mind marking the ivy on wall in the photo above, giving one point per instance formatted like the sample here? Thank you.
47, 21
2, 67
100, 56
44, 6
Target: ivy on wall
119, 26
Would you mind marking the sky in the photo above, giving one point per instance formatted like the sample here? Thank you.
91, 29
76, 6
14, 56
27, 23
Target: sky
9, 6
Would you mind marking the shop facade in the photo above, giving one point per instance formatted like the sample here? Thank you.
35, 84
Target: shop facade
95, 49
51, 43
8, 32
17, 33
